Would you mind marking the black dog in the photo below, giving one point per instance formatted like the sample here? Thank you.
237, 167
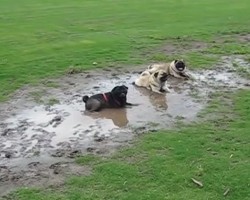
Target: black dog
117, 98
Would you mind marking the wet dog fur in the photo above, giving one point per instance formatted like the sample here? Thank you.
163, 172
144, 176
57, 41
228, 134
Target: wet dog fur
155, 81
116, 98
176, 68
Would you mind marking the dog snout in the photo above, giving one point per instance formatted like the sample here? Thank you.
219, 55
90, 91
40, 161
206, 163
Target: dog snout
180, 66
123, 95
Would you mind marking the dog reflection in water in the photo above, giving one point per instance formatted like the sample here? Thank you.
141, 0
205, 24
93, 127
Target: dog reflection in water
118, 116
159, 101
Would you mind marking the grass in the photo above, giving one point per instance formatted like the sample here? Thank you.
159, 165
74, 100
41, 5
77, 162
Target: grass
53, 101
161, 165
229, 49
195, 60
43, 39
37, 96
242, 69
87, 159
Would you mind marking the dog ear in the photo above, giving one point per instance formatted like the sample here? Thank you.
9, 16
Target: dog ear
125, 86
165, 74
156, 74
115, 88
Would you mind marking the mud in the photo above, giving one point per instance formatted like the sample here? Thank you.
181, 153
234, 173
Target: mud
183, 46
244, 38
38, 141
180, 45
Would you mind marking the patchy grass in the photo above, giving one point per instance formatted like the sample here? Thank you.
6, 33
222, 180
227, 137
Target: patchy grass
50, 84
40, 39
87, 159
194, 60
53, 101
234, 48
74, 70
199, 60
37, 96
40, 98
161, 165
242, 70
43, 39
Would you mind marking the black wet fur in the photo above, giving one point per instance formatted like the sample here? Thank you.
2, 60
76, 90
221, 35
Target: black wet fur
164, 77
116, 98
162, 90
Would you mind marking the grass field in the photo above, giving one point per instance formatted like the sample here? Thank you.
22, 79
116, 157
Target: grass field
41, 39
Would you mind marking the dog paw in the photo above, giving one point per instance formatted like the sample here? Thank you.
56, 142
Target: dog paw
162, 90
165, 90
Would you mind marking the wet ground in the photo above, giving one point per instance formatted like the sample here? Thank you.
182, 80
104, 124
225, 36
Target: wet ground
43, 128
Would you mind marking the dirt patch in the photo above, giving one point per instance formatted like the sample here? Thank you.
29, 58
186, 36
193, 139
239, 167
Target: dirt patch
38, 172
177, 46
38, 142
183, 46
244, 38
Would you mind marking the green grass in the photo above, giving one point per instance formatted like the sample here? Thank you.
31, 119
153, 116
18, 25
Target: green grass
194, 60
41, 39
87, 159
229, 49
160, 165
44, 38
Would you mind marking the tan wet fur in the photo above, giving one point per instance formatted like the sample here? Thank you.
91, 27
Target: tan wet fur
155, 81
171, 69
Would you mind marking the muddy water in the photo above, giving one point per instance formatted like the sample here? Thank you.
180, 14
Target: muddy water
49, 134
44, 128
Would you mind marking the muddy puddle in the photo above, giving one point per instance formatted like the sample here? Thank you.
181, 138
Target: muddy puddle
38, 141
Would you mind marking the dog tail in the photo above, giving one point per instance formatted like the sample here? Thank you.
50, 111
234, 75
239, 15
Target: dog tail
85, 98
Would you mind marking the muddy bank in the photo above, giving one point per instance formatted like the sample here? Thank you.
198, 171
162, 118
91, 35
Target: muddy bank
43, 128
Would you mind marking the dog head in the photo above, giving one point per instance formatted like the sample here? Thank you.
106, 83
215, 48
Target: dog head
120, 91
161, 76
179, 65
